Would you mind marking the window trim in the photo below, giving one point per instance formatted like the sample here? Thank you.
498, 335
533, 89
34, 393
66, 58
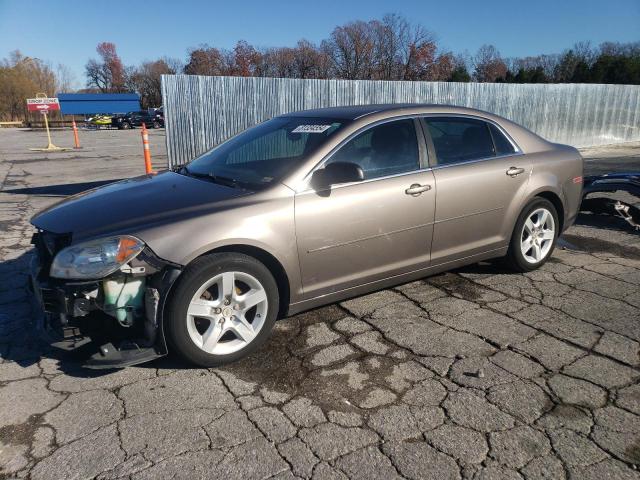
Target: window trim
423, 152
433, 157
493, 139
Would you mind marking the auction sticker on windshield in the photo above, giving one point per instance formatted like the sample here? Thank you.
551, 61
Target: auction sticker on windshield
311, 128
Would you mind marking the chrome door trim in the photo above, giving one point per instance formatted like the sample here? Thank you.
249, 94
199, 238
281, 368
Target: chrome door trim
483, 159
342, 185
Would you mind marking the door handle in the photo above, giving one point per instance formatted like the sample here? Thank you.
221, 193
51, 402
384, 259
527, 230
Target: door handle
416, 189
514, 171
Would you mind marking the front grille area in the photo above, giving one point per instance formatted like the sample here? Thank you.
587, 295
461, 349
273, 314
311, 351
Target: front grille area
53, 300
48, 245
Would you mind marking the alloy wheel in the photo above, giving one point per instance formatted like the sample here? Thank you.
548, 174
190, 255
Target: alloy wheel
227, 313
538, 234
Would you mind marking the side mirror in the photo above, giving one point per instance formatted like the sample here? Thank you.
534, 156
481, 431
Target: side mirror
337, 173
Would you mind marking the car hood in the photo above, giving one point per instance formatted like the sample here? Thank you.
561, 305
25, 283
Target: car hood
129, 205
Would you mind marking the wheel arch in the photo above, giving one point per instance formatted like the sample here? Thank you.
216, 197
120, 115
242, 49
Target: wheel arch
546, 187
556, 201
272, 263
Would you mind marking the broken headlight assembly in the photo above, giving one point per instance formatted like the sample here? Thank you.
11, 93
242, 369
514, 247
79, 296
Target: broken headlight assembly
95, 259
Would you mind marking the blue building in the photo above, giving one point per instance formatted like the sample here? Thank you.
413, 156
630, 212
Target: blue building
93, 103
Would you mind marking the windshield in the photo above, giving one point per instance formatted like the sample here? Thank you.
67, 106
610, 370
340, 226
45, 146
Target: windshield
265, 153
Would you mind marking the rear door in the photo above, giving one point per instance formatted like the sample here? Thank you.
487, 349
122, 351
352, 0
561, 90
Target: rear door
480, 177
361, 232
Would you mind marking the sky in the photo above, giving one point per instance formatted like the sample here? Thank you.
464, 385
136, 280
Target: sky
68, 31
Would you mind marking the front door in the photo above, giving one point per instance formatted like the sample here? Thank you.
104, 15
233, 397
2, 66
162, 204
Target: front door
361, 232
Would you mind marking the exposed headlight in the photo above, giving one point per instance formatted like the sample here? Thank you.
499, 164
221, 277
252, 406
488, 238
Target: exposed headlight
96, 258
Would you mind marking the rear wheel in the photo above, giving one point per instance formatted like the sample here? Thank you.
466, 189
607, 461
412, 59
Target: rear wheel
156, 124
534, 236
222, 309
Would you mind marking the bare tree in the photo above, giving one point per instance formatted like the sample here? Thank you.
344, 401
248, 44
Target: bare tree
206, 60
442, 68
573, 64
387, 49
107, 75
388, 36
65, 78
146, 80
417, 49
175, 64
351, 49
309, 61
279, 62
544, 65
488, 64
246, 60
97, 76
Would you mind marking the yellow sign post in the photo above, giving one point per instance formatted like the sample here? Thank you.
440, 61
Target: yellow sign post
43, 104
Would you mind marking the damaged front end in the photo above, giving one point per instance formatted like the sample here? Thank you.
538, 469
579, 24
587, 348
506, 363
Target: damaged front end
608, 183
115, 318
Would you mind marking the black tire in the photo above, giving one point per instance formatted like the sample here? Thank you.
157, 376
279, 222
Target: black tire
196, 275
515, 259
125, 126
156, 124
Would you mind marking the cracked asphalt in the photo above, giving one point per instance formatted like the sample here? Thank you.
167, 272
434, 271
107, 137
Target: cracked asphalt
475, 374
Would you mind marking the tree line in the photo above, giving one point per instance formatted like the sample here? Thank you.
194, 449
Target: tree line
22, 77
390, 48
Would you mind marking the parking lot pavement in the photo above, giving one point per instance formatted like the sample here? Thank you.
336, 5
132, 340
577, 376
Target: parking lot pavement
478, 373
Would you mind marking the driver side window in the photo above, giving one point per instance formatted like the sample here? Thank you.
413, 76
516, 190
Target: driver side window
387, 149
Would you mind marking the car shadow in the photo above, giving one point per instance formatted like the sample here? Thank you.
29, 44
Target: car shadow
491, 267
605, 221
61, 190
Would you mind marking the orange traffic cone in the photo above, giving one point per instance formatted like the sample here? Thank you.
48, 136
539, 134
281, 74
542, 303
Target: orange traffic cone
75, 135
147, 153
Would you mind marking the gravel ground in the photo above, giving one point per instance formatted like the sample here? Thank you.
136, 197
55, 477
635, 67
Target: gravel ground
477, 373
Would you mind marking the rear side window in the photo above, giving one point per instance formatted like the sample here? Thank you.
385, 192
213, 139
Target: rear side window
503, 146
460, 139
387, 149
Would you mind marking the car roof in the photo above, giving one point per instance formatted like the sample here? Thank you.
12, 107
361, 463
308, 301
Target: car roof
353, 112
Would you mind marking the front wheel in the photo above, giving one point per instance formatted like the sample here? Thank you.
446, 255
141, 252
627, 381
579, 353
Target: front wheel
534, 236
222, 309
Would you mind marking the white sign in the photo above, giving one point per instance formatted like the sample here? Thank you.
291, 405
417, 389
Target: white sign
311, 128
42, 101
42, 104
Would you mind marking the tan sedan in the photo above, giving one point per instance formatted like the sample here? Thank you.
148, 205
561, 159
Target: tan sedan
300, 211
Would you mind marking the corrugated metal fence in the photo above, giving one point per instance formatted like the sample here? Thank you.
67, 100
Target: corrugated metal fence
200, 111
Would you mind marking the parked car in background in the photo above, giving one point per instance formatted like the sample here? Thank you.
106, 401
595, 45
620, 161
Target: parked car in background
303, 210
136, 119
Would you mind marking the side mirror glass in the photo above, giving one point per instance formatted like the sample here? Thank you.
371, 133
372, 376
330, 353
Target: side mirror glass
337, 173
